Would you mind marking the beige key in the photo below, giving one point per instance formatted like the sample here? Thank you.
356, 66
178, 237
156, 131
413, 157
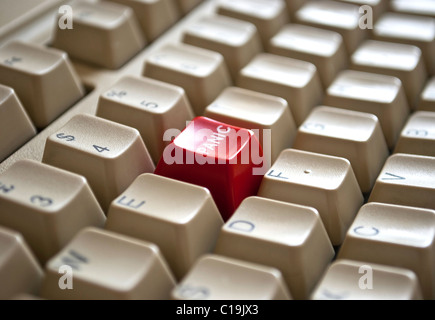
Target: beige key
201, 72
373, 9
323, 48
215, 277
20, 272
418, 135
397, 236
296, 81
409, 29
380, 95
343, 18
407, 180
186, 6
295, 234
427, 97
238, 41
180, 218
416, 7
43, 79
110, 155
268, 116
16, 128
359, 280
47, 205
294, 5
102, 265
267, 15
103, 33
353, 135
398, 60
326, 183
152, 107
154, 16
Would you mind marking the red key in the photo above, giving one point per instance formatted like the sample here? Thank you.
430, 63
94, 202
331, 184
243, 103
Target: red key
227, 160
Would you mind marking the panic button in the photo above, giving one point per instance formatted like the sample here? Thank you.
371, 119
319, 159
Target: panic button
227, 160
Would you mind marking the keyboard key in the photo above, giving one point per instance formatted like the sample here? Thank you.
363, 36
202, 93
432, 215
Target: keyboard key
340, 17
294, 5
296, 81
215, 277
326, 183
104, 34
407, 180
409, 29
16, 128
358, 280
397, 236
380, 95
238, 41
291, 231
267, 15
427, 98
418, 135
356, 136
110, 155
180, 218
154, 16
47, 205
416, 7
398, 60
20, 272
268, 116
226, 159
201, 72
150, 106
323, 48
107, 266
43, 79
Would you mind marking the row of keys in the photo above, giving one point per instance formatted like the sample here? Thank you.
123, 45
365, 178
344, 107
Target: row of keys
92, 253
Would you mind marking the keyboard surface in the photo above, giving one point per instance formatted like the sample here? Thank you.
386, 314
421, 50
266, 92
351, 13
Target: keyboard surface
217, 149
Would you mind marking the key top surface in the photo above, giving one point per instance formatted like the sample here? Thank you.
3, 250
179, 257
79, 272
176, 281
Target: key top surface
326, 183
180, 218
295, 234
356, 136
201, 72
16, 128
110, 155
406, 180
427, 98
43, 78
409, 29
323, 48
380, 95
294, 80
359, 280
108, 266
267, 15
268, 116
398, 60
215, 277
104, 33
20, 272
226, 159
397, 236
238, 41
47, 205
150, 106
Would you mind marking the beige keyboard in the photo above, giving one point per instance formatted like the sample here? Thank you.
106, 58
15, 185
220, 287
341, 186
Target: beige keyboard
217, 150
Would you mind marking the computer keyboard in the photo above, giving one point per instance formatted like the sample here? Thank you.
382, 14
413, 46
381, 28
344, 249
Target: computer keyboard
217, 150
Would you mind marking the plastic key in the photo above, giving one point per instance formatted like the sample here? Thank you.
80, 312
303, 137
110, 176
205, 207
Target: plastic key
215, 277
227, 160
